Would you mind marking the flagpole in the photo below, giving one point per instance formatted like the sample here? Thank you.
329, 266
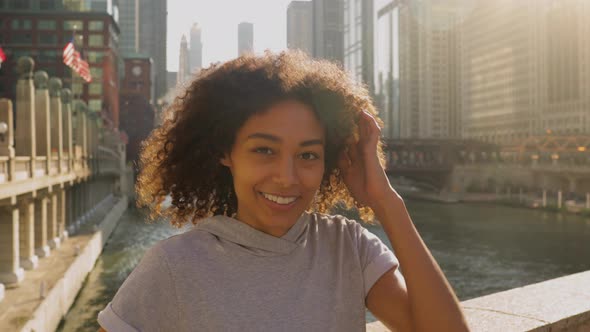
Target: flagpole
72, 69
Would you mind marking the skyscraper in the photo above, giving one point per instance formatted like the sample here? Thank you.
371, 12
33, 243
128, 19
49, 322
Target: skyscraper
300, 26
152, 38
328, 28
418, 58
109, 6
196, 49
183, 62
522, 70
245, 38
359, 20
129, 25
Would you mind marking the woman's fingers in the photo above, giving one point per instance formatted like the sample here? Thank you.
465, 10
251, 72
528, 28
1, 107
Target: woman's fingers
369, 130
358, 150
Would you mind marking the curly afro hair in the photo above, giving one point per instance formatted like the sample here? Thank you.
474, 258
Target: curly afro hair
181, 158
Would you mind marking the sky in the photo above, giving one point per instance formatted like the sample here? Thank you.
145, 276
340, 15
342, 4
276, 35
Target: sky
219, 26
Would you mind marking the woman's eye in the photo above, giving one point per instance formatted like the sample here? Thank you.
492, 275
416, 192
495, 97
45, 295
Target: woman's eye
309, 156
263, 150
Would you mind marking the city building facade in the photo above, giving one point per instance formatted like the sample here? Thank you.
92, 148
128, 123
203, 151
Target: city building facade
137, 112
196, 49
129, 26
359, 22
328, 29
300, 26
109, 6
183, 62
245, 38
387, 67
42, 35
417, 69
525, 70
153, 18
171, 79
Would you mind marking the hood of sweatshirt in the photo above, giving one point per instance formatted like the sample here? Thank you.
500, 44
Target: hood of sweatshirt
253, 240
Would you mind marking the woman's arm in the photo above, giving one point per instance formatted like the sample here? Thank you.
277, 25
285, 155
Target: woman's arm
425, 296
423, 301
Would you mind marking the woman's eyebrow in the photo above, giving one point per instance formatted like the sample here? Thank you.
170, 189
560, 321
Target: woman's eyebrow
264, 136
312, 142
277, 139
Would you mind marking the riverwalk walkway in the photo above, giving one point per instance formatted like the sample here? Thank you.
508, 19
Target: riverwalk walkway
37, 298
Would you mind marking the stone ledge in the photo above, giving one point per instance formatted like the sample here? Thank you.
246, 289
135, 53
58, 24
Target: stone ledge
60, 298
561, 304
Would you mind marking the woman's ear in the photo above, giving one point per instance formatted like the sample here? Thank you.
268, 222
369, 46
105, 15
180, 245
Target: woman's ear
226, 160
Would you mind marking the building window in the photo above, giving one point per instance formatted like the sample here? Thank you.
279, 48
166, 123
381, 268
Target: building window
77, 88
96, 73
78, 40
21, 24
49, 56
46, 25
20, 53
47, 4
20, 4
73, 25
94, 57
95, 40
96, 25
95, 88
47, 38
95, 104
22, 38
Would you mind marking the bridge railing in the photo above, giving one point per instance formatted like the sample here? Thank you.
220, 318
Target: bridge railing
55, 136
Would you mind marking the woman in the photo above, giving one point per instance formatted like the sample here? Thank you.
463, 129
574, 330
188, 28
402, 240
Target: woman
254, 154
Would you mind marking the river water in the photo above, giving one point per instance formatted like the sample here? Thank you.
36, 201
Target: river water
482, 249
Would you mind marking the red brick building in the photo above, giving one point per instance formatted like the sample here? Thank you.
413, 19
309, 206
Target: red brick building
42, 35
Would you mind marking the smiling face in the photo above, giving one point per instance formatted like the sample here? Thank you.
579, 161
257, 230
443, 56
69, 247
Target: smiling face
277, 164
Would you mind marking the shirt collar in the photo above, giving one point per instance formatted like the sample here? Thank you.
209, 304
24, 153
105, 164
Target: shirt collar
253, 240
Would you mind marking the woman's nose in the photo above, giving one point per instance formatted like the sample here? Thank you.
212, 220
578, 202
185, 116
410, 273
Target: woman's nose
286, 174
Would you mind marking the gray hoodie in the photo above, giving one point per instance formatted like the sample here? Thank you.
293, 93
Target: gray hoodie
224, 275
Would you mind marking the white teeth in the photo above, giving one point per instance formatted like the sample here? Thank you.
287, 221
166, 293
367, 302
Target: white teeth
279, 199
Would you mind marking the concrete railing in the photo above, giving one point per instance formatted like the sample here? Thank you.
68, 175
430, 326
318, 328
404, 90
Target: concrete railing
50, 170
556, 305
55, 138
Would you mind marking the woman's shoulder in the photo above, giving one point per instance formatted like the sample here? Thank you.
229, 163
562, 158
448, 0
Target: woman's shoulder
333, 220
335, 223
191, 242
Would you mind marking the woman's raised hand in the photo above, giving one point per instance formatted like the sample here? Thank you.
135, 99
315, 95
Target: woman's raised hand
362, 172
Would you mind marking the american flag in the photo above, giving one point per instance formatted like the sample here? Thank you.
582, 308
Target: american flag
2, 56
84, 70
73, 59
68, 54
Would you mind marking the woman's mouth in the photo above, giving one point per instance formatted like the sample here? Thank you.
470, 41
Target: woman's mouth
281, 200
